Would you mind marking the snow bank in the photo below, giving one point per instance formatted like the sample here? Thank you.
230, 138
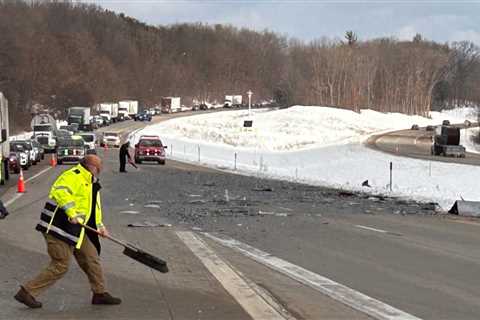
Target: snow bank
320, 146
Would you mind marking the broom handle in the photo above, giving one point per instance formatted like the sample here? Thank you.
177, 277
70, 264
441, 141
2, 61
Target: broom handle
117, 241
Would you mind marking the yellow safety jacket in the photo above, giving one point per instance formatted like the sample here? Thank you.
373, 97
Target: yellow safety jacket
70, 197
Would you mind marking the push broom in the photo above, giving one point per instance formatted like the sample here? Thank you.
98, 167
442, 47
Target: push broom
135, 253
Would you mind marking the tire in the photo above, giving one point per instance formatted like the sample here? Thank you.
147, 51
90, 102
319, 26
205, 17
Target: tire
162, 162
59, 161
43, 156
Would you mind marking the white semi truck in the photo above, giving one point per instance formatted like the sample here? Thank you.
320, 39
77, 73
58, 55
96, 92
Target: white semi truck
127, 109
233, 101
4, 143
171, 104
109, 112
44, 129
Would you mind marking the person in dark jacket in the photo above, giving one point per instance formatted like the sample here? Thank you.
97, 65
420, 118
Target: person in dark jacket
3, 211
123, 155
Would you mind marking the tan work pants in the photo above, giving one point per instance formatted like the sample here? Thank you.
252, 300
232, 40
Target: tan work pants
60, 253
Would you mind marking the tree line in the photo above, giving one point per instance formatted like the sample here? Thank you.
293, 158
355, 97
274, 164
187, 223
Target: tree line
61, 54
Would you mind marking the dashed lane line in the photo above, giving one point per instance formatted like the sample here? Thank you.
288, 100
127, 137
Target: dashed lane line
235, 285
13, 199
18, 195
370, 228
38, 174
352, 298
378, 230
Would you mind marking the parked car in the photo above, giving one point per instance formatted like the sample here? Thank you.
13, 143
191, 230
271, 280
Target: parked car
430, 128
40, 152
70, 149
110, 139
415, 127
144, 116
150, 148
18, 157
445, 122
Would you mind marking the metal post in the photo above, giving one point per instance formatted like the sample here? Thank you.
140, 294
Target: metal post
235, 166
391, 168
249, 100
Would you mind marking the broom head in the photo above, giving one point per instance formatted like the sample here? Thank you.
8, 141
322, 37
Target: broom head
146, 259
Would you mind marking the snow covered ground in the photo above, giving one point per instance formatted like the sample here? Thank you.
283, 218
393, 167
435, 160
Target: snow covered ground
320, 146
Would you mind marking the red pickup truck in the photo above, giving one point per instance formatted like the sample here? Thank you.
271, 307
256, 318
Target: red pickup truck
150, 148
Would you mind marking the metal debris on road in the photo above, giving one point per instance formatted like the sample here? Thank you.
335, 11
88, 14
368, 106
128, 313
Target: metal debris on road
148, 224
271, 213
197, 201
263, 189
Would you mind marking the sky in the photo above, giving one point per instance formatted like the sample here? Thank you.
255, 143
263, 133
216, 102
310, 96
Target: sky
438, 20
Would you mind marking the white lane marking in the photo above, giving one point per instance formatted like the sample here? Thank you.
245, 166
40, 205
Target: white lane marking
38, 174
339, 292
13, 199
130, 212
18, 195
250, 301
370, 228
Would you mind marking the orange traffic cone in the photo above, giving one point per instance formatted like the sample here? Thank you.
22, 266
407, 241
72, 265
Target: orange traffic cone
53, 161
21, 183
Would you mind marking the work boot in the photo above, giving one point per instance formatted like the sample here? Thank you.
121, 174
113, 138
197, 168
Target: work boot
27, 299
105, 298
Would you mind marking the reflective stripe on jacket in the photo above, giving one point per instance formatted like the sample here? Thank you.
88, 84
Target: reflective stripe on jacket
70, 197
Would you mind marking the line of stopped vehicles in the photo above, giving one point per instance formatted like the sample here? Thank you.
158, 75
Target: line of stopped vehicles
70, 143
